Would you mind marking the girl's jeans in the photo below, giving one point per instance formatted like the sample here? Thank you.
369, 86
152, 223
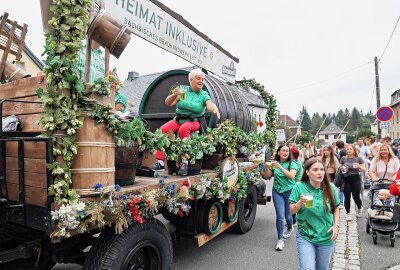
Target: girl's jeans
313, 256
281, 204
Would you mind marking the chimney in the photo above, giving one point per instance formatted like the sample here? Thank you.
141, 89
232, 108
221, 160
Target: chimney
132, 75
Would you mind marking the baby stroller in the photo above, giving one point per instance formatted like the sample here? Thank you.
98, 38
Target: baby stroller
380, 215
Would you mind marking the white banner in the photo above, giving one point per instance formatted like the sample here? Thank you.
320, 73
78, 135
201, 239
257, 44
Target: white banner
161, 27
280, 135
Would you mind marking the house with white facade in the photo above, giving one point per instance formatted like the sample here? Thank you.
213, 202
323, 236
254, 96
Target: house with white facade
332, 133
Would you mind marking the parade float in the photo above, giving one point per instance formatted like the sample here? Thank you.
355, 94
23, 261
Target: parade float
68, 175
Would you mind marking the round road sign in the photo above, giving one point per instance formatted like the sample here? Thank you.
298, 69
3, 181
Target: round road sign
384, 114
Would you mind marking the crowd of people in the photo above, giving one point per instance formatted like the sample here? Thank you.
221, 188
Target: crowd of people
331, 176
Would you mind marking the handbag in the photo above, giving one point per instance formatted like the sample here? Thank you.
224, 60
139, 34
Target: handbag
339, 179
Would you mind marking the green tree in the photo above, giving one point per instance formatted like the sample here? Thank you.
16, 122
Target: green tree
355, 120
303, 138
316, 122
340, 118
365, 133
306, 122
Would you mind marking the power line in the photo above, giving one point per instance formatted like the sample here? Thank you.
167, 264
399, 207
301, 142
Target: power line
394, 29
325, 80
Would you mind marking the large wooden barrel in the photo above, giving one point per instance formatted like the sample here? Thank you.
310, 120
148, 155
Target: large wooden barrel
126, 158
109, 33
230, 100
94, 163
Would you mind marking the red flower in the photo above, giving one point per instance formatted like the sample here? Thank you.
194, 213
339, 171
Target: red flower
148, 202
191, 198
261, 124
180, 213
186, 183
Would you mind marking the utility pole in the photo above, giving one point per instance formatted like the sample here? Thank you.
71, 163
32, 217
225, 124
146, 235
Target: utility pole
378, 93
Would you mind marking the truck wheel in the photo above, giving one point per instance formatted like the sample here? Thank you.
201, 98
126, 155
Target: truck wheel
140, 246
247, 211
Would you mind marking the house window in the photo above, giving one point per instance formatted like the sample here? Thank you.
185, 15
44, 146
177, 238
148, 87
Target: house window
326, 137
397, 116
20, 64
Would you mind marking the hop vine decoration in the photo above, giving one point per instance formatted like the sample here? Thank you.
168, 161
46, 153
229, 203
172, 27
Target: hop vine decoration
63, 86
270, 102
104, 86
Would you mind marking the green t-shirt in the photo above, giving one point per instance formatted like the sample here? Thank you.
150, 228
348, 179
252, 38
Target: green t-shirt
281, 182
314, 223
299, 170
97, 68
121, 99
194, 104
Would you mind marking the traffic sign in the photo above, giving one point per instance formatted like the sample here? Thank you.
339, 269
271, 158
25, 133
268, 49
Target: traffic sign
384, 114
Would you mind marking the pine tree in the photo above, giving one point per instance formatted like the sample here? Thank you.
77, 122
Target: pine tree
355, 120
316, 122
306, 122
340, 118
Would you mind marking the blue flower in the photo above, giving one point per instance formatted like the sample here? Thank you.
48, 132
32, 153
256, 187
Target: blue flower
161, 181
98, 187
248, 176
117, 188
123, 196
262, 166
165, 176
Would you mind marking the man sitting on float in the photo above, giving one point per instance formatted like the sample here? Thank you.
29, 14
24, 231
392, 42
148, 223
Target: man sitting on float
191, 103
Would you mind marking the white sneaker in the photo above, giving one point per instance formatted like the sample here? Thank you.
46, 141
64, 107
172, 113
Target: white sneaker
341, 206
287, 234
280, 245
348, 217
359, 212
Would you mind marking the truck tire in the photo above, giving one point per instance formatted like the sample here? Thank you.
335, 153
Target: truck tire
247, 211
145, 246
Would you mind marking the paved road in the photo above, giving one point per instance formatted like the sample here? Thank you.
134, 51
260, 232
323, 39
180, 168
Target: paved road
251, 251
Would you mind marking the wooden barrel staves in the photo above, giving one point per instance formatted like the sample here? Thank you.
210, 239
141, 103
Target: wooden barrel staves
126, 158
109, 33
94, 162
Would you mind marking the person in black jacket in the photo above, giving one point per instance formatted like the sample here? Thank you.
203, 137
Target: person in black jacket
341, 149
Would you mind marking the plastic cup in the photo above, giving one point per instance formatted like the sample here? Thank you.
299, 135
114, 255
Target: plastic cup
344, 168
274, 164
182, 95
310, 199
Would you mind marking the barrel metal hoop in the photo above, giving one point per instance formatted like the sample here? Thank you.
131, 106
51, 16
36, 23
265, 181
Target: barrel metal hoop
93, 25
93, 170
121, 32
99, 144
15, 73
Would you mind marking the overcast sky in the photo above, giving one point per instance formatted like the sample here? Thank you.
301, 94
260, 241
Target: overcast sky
306, 52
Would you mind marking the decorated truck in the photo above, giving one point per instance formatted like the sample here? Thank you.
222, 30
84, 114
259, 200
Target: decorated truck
74, 186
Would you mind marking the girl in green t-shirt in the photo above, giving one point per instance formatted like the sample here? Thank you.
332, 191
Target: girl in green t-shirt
315, 202
284, 171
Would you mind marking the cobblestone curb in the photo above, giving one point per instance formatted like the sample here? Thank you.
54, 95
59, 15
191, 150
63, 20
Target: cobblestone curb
346, 254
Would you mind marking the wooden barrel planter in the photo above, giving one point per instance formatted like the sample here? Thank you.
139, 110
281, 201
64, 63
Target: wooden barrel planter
210, 216
210, 162
94, 163
126, 159
231, 210
109, 33
13, 73
193, 169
